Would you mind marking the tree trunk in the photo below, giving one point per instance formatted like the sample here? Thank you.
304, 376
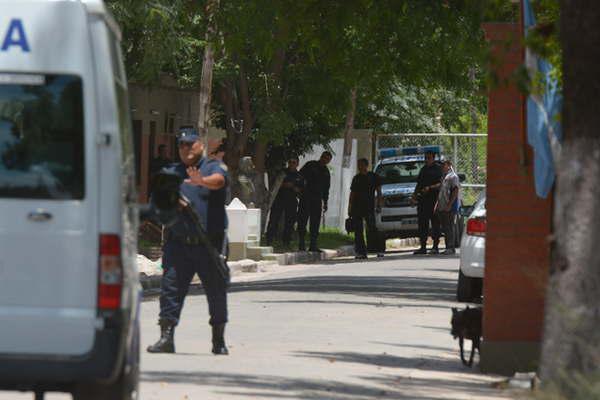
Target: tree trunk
572, 337
207, 72
239, 122
348, 130
262, 194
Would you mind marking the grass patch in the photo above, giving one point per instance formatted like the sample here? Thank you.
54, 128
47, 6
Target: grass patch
329, 238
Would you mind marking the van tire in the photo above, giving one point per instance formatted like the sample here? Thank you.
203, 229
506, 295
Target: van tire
126, 385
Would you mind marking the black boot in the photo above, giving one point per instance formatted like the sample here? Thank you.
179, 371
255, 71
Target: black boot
218, 340
166, 343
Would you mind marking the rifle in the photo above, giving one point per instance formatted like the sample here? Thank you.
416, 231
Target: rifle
167, 202
416, 197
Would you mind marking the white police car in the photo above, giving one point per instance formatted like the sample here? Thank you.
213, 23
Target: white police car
472, 252
399, 169
69, 289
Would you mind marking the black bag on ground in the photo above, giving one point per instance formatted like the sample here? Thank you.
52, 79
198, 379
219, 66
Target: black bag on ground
349, 225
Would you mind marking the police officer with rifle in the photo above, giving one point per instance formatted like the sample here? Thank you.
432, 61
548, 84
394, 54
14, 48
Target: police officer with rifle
189, 200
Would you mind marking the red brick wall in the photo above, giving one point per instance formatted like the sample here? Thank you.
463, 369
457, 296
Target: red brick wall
517, 249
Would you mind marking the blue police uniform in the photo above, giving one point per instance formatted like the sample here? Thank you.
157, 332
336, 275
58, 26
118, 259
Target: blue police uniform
184, 256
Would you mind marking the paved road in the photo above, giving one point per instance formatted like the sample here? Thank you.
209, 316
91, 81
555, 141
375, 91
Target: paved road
341, 330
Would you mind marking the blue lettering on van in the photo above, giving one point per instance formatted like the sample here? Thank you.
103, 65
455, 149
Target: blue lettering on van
15, 37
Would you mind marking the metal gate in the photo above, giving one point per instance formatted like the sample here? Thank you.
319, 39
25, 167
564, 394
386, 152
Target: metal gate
468, 152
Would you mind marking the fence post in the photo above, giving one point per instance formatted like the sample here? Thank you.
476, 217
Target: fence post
455, 151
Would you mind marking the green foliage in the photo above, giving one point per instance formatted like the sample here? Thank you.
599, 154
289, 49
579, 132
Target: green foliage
161, 36
423, 109
408, 60
500, 11
544, 38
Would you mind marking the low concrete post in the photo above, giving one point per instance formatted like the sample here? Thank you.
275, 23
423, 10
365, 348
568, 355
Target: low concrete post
254, 228
237, 213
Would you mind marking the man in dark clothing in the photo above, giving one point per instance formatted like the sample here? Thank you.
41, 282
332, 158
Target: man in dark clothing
362, 208
313, 201
286, 203
158, 163
426, 194
184, 255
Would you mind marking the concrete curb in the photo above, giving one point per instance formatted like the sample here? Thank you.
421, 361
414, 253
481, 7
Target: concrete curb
307, 257
402, 243
153, 281
237, 268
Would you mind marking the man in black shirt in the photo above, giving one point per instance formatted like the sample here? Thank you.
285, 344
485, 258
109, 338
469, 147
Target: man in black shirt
313, 200
286, 203
160, 162
362, 209
426, 194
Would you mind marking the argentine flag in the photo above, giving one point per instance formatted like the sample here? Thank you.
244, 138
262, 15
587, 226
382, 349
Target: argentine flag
544, 132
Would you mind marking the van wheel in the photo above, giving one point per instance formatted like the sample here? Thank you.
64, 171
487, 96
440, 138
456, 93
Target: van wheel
126, 385
464, 289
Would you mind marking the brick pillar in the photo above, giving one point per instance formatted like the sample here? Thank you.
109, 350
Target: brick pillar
518, 222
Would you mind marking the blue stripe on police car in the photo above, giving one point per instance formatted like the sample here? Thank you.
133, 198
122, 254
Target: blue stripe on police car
15, 37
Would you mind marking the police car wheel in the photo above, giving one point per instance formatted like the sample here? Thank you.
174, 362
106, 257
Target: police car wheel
464, 289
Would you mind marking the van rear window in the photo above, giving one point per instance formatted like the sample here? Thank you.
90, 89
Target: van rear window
41, 137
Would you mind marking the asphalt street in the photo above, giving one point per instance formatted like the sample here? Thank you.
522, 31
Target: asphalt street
339, 330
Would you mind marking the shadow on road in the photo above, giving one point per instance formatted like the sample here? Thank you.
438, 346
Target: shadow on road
433, 289
417, 346
354, 303
387, 360
256, 386
405, 256
397, 287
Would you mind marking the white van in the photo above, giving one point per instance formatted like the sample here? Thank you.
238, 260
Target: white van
69, 289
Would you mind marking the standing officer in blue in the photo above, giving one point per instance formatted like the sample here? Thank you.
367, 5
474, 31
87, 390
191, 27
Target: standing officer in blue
204, 185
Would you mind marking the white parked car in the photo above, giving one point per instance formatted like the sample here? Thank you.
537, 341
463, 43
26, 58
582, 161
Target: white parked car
472, 253
69, 287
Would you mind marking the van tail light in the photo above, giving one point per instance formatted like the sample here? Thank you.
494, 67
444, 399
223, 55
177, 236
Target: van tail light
110, 273
476, 226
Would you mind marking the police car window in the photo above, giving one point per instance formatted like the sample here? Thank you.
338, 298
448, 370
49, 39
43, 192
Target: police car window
406, 172
41, 136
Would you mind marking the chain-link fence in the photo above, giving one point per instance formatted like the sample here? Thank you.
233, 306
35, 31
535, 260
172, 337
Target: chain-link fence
468, 152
